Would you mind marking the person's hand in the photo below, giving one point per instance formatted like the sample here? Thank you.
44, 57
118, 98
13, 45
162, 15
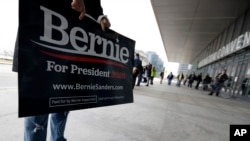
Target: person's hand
105, 23
79, 6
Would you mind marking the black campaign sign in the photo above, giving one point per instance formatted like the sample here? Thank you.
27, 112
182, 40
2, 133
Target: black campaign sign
69, 64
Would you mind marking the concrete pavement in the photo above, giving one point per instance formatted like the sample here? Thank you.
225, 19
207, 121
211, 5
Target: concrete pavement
159, 113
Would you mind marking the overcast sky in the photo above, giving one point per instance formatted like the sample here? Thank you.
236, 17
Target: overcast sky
131, 18
135, 19
8, 24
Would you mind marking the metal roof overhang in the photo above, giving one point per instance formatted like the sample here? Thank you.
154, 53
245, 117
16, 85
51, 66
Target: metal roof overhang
188, 26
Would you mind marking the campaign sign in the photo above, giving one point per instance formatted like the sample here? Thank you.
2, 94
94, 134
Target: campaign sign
68, 64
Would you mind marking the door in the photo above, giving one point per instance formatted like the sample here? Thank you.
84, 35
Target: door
239, 77
245, 86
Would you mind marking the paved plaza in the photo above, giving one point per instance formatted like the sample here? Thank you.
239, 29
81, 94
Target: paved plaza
159, 113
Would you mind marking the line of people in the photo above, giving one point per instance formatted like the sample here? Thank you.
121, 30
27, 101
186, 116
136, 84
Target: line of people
148, 73
218, 82
144, 74
189, 80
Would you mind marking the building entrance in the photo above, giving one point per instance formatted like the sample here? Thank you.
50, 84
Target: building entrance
242, 78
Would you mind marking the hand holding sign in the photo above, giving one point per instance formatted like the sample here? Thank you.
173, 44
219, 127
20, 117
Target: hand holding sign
79, 6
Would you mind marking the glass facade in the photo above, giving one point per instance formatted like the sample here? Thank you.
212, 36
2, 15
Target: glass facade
237, 61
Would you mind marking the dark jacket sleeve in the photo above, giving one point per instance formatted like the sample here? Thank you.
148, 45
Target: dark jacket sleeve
93, 8
15, 57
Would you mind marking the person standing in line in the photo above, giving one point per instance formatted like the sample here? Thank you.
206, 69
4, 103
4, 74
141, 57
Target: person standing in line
36, 126
161, 77
137, 68
153, 74
191, 79
170, 77
198, 81
144, 74
244, 85
148, 73
219, 82
185, 79
206, 81
180, 77
139, 75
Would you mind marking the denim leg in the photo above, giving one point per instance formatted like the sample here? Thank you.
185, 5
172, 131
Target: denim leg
151, 80
178, 83
57, 124
148, 80
139, 79
218, 87
35, 128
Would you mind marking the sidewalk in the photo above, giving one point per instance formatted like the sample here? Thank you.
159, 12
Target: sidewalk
159, 113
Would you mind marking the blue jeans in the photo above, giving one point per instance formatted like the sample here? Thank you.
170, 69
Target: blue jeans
190, 84
139, 79
169, 81
36, 127
178, 83
217, 87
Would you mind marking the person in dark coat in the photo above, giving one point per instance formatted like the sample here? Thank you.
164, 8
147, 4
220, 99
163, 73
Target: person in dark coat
191, 79
219, 82
148, 72
161, 77
170, 77
137, 69
198, 80
206, 81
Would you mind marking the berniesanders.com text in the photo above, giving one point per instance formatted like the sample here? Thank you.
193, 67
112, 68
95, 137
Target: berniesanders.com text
79, 86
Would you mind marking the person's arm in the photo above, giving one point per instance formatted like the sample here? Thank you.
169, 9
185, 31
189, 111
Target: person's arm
94, 9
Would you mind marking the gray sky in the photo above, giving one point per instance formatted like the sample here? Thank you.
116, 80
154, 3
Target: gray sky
135, 19
8, 24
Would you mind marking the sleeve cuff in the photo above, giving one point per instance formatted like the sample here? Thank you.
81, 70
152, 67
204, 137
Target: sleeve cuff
100, 18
